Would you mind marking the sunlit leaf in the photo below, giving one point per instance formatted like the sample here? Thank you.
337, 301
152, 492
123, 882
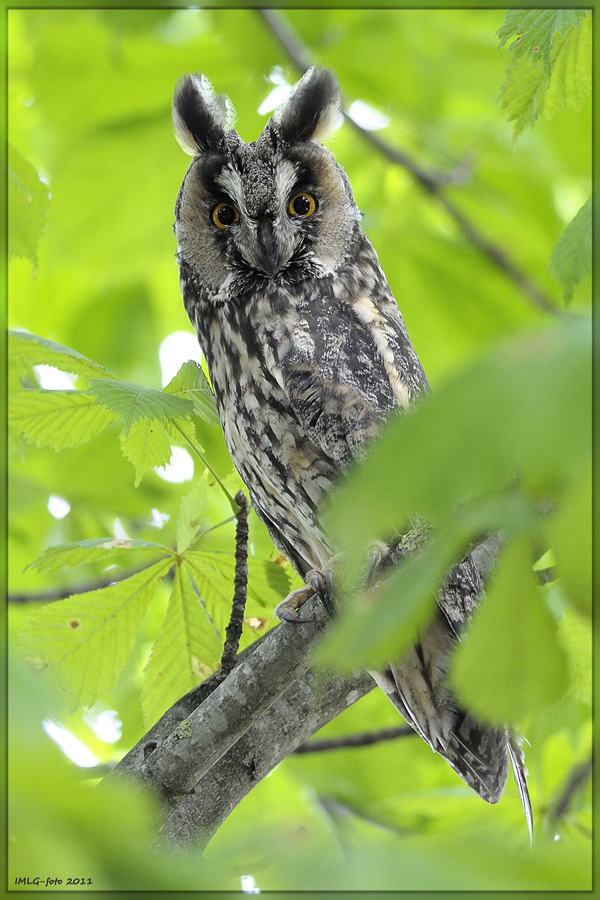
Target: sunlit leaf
572, 69
28, 205
523, 94
214, 575
146, 446
534, 30
570, 536
186, 651
60, 555
381, 624
268, 583
191, 384
511, 663
523, 411
41, 351
57, 419
561, 40
191, 513
85, 640
576, 636
571, 259
132, 402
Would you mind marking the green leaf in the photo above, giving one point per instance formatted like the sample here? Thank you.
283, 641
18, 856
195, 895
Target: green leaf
214, 574
28, 205
191, 513
570, 536
562, 39
534, 31
147, 445
186, 651
572, 70
521, 412
511, 663
523, 95
576, 636
41, 351
85, 640
191, 384
132, 402
382, 623
268, 583
571, 259
88, 551
57, 419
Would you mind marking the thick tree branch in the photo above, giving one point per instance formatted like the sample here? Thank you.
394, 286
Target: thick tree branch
307, 705
176, 765
216, 743
431, 182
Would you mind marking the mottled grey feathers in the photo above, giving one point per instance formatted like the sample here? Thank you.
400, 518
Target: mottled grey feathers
308, 355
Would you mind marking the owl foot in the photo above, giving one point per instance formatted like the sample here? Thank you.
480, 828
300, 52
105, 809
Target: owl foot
378, 553
317, 583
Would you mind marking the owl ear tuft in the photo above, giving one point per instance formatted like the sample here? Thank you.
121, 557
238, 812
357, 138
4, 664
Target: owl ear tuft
200, 117
312, 109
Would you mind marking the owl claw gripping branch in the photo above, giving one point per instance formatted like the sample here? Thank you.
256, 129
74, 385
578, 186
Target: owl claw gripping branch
308, 354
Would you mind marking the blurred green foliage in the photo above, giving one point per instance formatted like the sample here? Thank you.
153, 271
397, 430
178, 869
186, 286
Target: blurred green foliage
89, 105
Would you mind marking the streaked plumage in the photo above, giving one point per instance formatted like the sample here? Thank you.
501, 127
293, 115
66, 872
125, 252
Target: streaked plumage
308, 354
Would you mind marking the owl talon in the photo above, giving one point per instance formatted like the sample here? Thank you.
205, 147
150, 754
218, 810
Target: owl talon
321, 586
288, 616
378, 551
287, 610
318, 584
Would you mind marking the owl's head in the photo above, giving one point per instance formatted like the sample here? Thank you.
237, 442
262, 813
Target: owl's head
279, 209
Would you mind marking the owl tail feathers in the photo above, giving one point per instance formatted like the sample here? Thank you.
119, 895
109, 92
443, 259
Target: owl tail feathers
478, 753
520, 772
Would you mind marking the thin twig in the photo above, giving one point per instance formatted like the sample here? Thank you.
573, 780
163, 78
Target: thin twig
63, 592
366, 739
236, 620
338, 810
207, 465
429, 181
579, 776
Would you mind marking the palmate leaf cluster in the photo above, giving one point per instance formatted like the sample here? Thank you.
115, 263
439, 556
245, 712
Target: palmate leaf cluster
85, 641
502, 444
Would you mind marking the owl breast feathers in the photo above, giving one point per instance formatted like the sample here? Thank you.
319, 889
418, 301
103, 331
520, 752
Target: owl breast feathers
308, 353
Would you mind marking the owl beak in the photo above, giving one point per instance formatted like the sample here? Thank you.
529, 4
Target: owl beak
271, 257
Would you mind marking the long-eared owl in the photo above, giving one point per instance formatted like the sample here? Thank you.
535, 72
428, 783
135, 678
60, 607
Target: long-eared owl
308, 353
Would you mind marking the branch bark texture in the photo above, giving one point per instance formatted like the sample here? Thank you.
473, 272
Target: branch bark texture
307, 705
211, 729
221, 739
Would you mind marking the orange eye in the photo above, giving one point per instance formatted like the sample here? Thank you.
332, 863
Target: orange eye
224, 215
302, 205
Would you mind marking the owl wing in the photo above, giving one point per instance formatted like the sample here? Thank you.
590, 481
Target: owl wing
351, 364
